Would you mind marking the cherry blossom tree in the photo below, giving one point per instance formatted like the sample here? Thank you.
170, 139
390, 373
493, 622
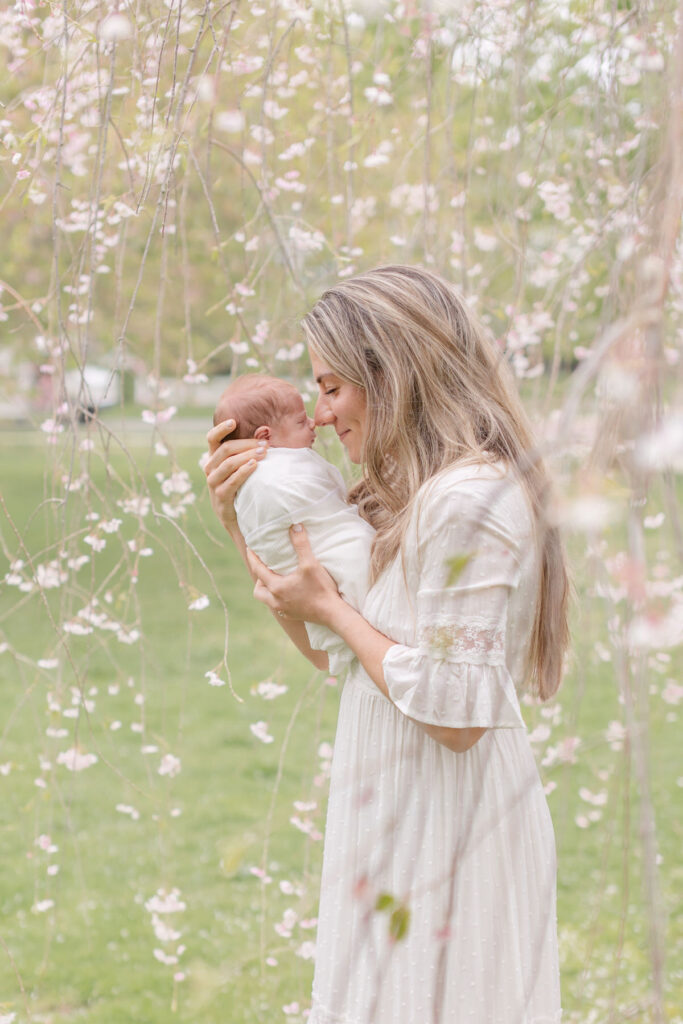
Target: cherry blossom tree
181, 182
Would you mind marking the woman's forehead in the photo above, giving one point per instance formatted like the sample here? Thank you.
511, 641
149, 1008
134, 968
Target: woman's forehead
320, 368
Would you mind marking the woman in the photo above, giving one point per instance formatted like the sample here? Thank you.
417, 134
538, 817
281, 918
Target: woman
438, 887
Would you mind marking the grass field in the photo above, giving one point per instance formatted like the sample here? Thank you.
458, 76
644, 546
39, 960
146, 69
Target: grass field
89, 954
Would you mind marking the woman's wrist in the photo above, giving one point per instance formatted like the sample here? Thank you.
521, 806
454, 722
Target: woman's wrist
332, 612
342, 617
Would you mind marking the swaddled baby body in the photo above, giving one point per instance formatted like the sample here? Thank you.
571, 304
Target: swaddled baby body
293, 484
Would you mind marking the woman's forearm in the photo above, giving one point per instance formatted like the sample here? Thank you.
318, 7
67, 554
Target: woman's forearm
370, 647
295, 630
367, 643
241, 545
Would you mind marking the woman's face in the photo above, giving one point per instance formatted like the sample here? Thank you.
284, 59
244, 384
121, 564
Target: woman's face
341, 405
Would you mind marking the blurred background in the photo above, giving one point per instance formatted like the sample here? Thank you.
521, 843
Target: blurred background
181, 181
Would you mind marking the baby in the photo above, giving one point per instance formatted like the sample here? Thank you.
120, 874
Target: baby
293, 484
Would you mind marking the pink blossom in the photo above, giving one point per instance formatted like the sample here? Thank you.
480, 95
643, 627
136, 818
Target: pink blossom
127, 809
230, 121
165, 958
260, 731
170, 765
567, 749
672, 692
116, 28
159, 417
75, 761
42, 906
269, 690
164, 902
260, 873
597, 799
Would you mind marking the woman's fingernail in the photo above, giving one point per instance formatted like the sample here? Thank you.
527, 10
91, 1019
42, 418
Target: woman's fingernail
261, 444
297, 528
230, 424
252, 462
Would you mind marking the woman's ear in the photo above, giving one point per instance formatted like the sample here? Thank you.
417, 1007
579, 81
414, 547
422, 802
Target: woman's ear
263, 433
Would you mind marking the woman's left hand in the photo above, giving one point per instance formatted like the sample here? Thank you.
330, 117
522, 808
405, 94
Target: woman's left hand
308, 593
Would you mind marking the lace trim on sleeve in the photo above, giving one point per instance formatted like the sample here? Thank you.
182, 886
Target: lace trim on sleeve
475, 640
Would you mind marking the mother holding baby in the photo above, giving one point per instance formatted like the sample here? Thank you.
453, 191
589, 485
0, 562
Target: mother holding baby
438, 889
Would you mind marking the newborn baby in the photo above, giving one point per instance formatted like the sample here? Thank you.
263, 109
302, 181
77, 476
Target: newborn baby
293, 484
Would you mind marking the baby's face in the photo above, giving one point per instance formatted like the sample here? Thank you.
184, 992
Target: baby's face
295, 429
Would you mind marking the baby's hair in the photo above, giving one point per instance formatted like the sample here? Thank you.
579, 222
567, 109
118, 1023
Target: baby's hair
255, 400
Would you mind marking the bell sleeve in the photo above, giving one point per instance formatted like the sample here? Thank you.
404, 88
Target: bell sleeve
469, 557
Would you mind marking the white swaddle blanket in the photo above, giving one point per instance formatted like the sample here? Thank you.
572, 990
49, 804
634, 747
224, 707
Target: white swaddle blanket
296, 485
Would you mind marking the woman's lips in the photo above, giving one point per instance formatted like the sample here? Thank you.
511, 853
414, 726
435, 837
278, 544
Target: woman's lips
342, 435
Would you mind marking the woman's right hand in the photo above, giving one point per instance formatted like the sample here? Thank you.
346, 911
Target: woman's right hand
229, 464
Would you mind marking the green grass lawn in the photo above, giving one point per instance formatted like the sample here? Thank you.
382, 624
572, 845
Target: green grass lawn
89, 955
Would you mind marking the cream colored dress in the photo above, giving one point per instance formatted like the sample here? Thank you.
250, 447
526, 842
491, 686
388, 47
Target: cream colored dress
457, 849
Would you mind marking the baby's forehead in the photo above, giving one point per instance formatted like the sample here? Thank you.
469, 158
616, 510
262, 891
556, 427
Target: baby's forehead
292, 399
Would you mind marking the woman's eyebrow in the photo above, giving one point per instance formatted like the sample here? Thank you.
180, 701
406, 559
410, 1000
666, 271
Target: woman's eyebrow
322, 376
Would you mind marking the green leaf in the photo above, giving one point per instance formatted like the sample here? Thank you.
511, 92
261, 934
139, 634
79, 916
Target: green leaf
399, 922
232, 853
456, 564
385, 901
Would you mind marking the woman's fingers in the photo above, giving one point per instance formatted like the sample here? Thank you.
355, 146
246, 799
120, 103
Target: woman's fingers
226, 490
217, 473
304, 593
262, 594
301, 545
263, 574
217, 433
234, 453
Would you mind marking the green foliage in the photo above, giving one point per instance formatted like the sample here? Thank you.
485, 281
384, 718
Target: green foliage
399, 922
385, 901
456, 564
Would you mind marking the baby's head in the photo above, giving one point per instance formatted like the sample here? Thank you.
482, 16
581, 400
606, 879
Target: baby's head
268, 409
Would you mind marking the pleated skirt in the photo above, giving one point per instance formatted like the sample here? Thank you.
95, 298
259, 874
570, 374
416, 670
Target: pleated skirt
437, 901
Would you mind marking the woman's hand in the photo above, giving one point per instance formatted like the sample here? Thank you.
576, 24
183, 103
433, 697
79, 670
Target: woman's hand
229, 464
308, 593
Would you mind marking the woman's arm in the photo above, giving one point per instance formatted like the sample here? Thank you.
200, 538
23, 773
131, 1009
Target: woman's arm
294, 628
369, 646
230, 463
310, 593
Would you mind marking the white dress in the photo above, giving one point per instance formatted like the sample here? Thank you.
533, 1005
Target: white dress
453, 852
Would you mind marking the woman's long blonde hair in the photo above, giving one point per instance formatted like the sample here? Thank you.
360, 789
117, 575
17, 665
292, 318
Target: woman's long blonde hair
438, 392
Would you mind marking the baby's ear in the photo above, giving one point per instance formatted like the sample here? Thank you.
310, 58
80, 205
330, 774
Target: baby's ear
262, 433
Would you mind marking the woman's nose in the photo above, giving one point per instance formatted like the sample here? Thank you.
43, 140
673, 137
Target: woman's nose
322, 414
